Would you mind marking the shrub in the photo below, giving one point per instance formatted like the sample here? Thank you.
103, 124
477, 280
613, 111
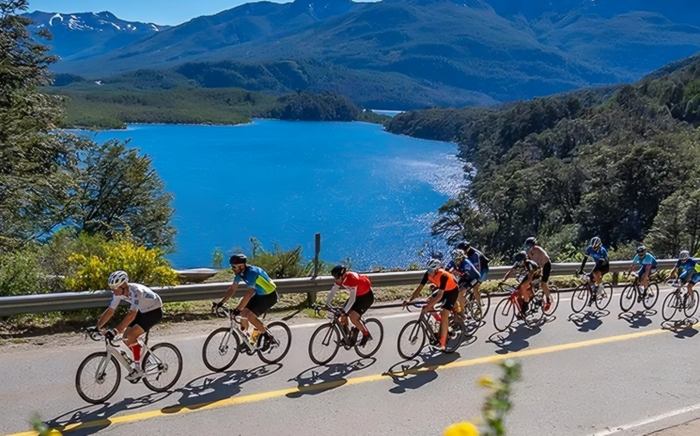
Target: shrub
20, 273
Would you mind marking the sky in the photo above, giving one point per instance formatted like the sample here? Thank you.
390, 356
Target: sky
154, 11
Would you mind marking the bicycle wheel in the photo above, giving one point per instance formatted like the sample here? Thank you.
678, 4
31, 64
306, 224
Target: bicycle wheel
324, 344
579, 299
604, 296
554, 301
535, 313
221, 349
411, 339
98, 377
503, 314
455, 336
376, 336
273, 350
670, 306
485, 303
476, 310
651, 296
628, 297
691, 304
162, 367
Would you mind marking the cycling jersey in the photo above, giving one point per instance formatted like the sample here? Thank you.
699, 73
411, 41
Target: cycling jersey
140, 297
686, 267
464, 268
440, 278
648, 259
599, 255
256, 278
358, 285
478, 259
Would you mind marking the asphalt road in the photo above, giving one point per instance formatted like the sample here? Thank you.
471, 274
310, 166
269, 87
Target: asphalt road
601, 373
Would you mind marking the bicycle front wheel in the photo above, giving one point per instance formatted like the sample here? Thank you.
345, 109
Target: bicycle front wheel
411, 339
324, 344
98, 377
691, 304
651, 296
503, 314
275, 346
554, 301
376, 336
221, 349
579, 299
627, 297
604, 296
162, 367
671, 304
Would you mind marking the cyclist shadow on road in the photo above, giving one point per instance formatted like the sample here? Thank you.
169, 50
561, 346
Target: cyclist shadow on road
513, 339
206, 389
318, 379
589, 321
93, 418
638, 319
417, 372
683, 329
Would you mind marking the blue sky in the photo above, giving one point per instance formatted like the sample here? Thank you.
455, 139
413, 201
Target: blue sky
156, 11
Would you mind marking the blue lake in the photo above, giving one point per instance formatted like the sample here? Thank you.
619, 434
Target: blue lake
372, 195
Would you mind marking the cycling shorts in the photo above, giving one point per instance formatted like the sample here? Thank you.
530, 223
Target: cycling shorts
148, 319
363, 302
260, 304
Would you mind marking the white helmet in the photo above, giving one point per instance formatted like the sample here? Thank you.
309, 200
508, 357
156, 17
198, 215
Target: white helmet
117, 278
434, 264
458, 254
596, 242
684, 255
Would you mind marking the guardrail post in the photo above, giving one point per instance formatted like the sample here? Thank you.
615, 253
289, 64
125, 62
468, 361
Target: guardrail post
616, 278
311, 296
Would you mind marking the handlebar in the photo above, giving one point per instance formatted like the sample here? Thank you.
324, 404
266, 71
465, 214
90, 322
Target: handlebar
334, 310
415, 304
97, 336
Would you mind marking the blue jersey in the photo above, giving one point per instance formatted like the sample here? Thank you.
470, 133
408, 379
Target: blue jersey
648, 259
256, 278
687, 267
478, 259
465, 268
599, 255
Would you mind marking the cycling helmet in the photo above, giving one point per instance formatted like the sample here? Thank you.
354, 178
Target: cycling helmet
464, 246
458, 254
433, 264
338, 271
641, 249
596, 242
530, 242
684, 255
519, 258
117, 278
238, 259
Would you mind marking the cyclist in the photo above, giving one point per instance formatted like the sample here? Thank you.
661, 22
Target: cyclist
537, 253
446, 291
529, 271
467, 274
687, 269
646, 264
361, 298
258, 300
145, 312
481, 263
599, 254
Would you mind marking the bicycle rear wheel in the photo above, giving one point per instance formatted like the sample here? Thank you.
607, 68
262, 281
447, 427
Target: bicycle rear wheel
651, 296
221, 349
604, 296
411, 339
628, 297
324, 344
455, 336
376, 334
554, 301
535, 313
670, 305
579, 299
162, 367
275, 345
503, 314
98, 377
691, 304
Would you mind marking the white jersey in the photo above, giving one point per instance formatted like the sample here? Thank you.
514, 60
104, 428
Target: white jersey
140, 297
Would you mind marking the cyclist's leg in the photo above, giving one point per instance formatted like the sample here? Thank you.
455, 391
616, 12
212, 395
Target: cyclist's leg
361, 305
255, 308
448, 303
432, 300
546, 270
646, 271
140, 325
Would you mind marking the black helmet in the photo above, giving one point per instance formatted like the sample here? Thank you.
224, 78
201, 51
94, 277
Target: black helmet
531, 242
519, 257
238, 259
464, 246
641, 249
338, 271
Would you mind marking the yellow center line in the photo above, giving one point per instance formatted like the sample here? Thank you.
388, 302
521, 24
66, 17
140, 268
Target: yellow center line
263, 396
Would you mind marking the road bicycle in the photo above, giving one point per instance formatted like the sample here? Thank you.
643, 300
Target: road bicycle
632, 293
223, 345
478, 310
327, 339
584, 295
99, 374
679, 299
415, 333
508, 308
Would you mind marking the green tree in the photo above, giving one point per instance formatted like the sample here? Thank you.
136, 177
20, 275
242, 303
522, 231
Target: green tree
677, 225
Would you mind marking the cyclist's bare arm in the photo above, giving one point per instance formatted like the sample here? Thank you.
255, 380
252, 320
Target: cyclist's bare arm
127, 320
416, 293
246, 298
105, 317
229, 293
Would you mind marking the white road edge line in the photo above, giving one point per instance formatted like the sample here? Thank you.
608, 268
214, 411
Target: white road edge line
647, 421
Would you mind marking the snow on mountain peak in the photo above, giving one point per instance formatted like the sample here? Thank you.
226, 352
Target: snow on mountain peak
59, 16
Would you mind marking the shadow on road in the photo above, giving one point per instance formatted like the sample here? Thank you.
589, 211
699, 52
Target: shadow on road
318, 379
414, 373
589, 321
638, 319
513, 339
682, 329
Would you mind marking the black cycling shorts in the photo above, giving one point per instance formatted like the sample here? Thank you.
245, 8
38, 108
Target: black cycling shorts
449, 299
147, 320
546, 270
363, 303
601, 266
260, 304
467, 282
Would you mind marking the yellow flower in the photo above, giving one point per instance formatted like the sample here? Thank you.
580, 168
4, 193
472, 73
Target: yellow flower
54, 432
486, 382
461, 429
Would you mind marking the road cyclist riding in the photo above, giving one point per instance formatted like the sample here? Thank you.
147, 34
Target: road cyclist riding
592, 291
684, 297
468, 277
271, 342
521, 302
642, 289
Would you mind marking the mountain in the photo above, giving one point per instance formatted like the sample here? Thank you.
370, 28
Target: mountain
416, 53
82, 35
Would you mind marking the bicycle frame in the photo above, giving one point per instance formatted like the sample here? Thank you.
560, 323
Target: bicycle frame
235, 327
113, 350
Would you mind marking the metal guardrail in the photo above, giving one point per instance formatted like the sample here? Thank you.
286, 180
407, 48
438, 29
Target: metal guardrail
38, 303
